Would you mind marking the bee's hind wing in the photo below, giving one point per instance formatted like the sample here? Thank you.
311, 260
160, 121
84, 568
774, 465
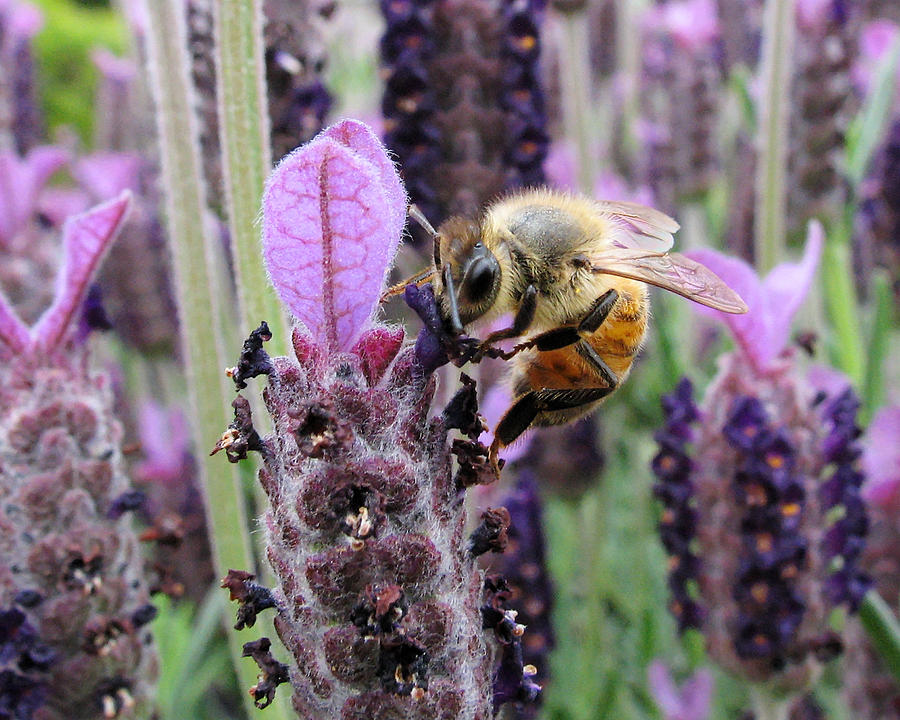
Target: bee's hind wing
673, 272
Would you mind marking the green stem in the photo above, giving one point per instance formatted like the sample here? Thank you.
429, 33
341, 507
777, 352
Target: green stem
193, 253
847, 347
771, 201
768, 707
246, 158
579, 115
883, 630
873, 388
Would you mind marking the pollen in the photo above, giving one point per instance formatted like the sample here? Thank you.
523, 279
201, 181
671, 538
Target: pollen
774, 461
764, 542
790, 509
527, 42
760, 592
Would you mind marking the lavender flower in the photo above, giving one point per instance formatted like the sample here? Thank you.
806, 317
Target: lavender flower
825, 50
681, 85
21, 120
378, 598
70, 560
29, 250
870, 690
763, 519
295, 60
463, 106
689, 702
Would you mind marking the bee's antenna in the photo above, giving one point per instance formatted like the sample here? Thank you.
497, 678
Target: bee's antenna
420, 218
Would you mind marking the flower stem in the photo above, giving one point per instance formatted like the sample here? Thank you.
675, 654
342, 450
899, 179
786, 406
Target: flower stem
873, 389
246, 158
195, 285
883, 629
768, 707
575, 83
772, 140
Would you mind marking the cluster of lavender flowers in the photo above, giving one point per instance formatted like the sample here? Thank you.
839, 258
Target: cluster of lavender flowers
73, 596
379, 600
763, 520
463, 105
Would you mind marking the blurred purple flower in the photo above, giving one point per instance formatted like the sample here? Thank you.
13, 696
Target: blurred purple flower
763, 332
86, 238
881, 458
691, 701
609, 186
693, 24
163, 434
875, 41
106, 174
333, 213
21, 181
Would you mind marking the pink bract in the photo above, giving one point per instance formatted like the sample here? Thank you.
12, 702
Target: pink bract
333, 213
763, 332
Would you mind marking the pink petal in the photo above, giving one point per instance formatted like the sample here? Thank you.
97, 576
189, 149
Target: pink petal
763, 331
823, 378
696, 695
694, 24
24, 21
85, 239
163, 434
663, 688
14, 335
332, 221
106, 174
360, 138
114, 68
21, 180
786, 287
57, 204
881, 457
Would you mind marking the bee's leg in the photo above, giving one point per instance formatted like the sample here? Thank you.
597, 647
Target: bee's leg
521, 322
456, 326
570, 334
523, 411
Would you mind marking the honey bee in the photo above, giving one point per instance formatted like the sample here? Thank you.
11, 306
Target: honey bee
573, 272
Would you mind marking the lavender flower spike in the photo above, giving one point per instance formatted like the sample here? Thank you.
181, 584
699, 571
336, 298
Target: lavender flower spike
72, 592
378, 597
763, 519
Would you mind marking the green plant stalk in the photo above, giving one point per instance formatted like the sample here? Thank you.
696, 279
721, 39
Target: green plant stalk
873, 387
883, 630
772, 140
192, 251
246, 158
847, 347
768, 707
579, 115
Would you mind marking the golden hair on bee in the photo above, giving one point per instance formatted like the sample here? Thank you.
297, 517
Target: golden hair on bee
573, 272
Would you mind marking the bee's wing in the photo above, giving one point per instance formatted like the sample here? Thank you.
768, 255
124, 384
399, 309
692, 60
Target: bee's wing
673, 272
645, 228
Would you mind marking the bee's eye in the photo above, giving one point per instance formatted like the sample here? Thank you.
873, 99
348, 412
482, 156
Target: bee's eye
480, 277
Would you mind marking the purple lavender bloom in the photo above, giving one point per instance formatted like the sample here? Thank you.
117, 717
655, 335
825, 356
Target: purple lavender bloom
378, 596
763, 519
463, 104
691, 701
70, 557
19, 22
870, 690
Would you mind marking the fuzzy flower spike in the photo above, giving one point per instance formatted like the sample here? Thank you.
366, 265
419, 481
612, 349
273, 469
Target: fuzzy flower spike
763, 519
378, 600
73, 599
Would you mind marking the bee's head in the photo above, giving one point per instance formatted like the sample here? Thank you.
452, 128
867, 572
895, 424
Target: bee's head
473, 268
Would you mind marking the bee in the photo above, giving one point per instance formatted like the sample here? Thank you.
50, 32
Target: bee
573, 272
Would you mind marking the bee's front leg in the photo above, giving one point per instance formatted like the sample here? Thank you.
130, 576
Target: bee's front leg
521, 322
